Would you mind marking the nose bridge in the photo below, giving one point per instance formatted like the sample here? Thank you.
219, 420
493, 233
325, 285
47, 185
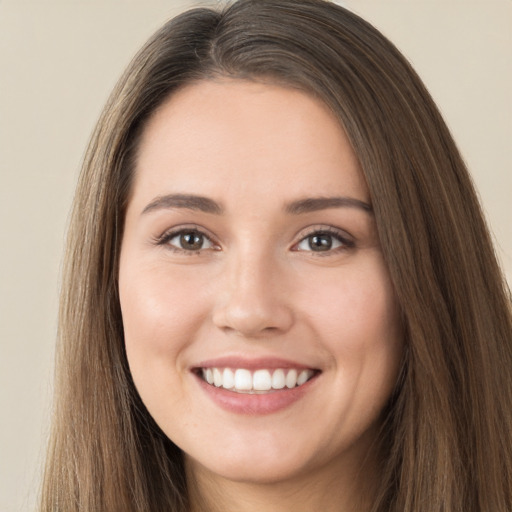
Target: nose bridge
252, 301
250, 273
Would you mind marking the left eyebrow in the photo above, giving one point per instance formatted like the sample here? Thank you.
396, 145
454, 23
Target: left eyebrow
313, 204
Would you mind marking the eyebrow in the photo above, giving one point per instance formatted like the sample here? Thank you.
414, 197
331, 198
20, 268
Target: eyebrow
186, 201
313, 204
207, 205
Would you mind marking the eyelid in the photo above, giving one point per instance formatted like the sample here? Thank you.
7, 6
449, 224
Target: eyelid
343, 236
171, 233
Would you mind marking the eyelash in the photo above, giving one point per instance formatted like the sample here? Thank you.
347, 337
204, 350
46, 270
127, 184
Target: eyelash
337, 235
166, 237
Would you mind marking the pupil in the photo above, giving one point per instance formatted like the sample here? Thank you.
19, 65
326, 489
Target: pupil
192, 241
320, 242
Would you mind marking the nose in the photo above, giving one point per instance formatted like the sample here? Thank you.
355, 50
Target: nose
252, 300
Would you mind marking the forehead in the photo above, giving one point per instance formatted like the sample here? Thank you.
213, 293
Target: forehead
229, 136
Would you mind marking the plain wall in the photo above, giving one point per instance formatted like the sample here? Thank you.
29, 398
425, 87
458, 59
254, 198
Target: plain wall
58, 62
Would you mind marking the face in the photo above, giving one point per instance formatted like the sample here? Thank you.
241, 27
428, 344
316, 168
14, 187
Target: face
260, 323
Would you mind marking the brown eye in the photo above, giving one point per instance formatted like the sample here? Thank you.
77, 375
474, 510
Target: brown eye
322, 242
189, 241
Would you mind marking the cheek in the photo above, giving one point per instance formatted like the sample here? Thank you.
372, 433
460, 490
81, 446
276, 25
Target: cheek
356, 310
357, 319
157, 307
160, 319
161, 315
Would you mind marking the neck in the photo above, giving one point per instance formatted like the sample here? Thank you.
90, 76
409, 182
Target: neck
344, 488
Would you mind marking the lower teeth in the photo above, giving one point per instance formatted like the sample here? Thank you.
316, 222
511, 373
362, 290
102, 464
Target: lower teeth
252, 391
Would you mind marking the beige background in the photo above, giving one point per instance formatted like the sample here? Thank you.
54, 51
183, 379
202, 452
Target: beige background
58, 62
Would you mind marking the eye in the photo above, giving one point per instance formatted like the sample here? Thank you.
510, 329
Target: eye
323, 241
187, 240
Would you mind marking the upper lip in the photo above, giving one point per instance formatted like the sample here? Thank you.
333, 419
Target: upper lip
252, 363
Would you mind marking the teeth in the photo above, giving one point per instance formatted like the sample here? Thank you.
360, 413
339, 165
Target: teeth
242, 380
261, 380
217, 377
291, 379
228, 378
302, 378
278, 379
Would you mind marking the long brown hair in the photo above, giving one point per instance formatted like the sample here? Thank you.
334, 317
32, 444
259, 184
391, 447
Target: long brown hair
447, 439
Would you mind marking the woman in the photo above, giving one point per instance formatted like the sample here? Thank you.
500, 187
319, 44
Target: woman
280, 292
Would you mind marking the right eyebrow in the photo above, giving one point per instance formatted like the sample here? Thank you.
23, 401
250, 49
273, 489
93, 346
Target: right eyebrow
186, 201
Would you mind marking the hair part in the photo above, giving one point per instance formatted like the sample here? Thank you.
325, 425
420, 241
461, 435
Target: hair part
447, 436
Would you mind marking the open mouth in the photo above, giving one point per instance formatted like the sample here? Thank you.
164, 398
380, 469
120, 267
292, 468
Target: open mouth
241, 380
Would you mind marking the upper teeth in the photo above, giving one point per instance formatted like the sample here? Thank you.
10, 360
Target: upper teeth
259, 380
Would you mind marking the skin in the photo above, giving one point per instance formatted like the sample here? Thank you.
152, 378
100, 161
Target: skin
257, 287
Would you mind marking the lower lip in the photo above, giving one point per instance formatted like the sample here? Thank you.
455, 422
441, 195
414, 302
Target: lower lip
256, 404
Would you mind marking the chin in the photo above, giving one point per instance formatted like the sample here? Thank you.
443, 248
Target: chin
251, 469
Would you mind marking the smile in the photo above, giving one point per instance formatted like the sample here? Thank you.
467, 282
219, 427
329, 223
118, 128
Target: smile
259, 381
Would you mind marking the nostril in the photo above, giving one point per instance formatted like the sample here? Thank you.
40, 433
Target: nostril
250, 320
